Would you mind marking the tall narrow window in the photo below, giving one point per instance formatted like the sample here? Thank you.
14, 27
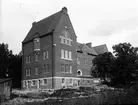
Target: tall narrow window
47, 54
29, 72
70, 68
66, 68
63, 80
26, 72
27, 59
45, 81
62, 68
70, 55
36, 44
44, 55
34, 82
36, 71
66, 54
62, 53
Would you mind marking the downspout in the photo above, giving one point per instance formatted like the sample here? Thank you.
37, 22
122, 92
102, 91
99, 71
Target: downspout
52, 38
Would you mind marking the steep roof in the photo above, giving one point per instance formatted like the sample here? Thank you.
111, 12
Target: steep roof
101, 49
44, 26
88, 49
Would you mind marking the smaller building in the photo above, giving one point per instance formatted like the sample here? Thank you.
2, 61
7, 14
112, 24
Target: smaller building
5, 88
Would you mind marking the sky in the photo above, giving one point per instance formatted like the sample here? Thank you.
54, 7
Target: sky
97, 21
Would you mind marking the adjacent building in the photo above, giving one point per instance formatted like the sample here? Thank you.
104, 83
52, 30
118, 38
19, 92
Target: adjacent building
52, 57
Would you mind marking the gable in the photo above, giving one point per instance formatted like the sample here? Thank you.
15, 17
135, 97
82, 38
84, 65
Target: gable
44, 26
101, 49
89, 50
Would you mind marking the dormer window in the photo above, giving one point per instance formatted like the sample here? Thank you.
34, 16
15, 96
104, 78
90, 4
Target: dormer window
36, 44
65, 37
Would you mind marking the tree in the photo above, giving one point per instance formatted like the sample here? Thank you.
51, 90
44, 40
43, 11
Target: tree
103, 66
126, 62
5, 55
10, 65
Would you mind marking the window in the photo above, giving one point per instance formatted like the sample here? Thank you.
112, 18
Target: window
34, 82
36, 57
66, 54
47, 54
36, 44
36, 71
66, 68
45, 81
24, 84
70, 55
70, 68
63, 80
62, 53
62, 68
27, 59
78, 61
65, 37
28, 72
44, 54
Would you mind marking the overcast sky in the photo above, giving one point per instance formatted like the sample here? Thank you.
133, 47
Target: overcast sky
98, 21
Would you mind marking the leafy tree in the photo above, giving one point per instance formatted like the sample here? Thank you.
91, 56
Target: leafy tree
126, 62
5, 55
103, 65
10, 65
121, 68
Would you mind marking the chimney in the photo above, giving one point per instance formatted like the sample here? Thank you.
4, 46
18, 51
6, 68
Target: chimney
89, 44
64, 10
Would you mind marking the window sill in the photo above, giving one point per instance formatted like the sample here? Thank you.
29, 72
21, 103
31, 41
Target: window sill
66, 44
66, 59
36, 49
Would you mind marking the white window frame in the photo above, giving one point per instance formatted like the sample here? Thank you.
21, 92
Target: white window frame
66, 54
44, 54
70, 68
26, 71
70, 55
29, 72
62, 53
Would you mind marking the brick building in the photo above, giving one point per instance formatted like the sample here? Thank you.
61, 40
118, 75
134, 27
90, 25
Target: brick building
52, 57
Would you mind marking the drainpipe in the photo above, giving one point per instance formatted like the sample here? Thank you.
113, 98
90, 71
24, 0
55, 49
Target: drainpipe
53, 58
